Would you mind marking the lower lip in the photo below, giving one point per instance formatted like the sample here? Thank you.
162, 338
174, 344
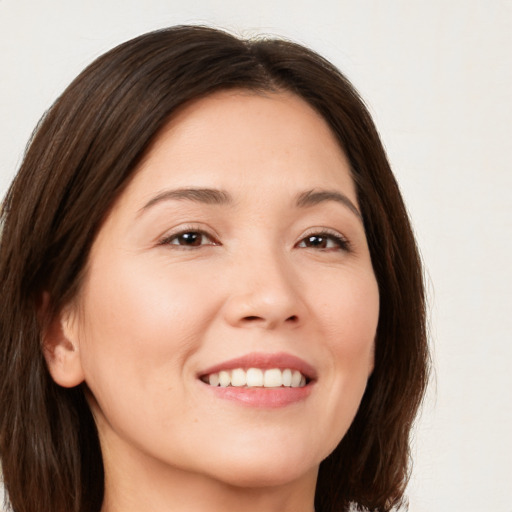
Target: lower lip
267, 398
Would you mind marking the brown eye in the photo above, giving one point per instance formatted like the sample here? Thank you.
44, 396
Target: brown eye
319, 242
189, 239
326, 241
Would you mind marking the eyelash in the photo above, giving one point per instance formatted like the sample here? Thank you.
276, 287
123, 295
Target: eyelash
168, 240
341, 243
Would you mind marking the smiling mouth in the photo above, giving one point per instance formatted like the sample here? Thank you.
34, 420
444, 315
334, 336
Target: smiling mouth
256, 378
261, 380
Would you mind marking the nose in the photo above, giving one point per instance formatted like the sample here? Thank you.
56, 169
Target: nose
265, 293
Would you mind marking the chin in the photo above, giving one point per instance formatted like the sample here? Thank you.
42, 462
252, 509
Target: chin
266, 467
270, 474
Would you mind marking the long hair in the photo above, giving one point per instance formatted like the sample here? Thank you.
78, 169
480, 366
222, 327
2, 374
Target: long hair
81, 157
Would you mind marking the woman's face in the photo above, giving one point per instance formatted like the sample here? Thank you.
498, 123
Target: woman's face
236, 252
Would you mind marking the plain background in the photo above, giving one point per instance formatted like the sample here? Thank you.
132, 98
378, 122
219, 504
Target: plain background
437, 77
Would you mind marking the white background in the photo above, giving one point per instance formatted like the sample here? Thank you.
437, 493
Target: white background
437, 77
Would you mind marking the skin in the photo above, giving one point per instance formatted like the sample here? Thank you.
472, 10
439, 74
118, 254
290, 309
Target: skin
154, 313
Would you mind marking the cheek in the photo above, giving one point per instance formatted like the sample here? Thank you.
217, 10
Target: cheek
350, 313
140, 326
140, 321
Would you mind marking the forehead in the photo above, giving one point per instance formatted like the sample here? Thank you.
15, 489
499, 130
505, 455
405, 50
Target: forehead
245, 140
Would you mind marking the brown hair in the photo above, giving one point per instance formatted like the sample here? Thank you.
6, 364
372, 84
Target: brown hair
82, 155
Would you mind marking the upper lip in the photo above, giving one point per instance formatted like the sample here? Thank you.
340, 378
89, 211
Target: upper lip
264, 361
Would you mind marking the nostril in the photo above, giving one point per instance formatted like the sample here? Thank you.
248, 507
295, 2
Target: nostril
268, 322
252, 318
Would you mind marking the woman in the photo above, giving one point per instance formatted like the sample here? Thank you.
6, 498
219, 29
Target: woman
213, 296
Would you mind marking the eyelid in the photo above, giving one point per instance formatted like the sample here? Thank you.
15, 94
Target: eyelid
341, 240
187, 228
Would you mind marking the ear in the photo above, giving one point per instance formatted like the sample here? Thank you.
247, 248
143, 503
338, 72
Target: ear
61, 348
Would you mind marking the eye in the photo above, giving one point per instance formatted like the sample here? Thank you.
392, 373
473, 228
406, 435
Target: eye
189, 238
325, 240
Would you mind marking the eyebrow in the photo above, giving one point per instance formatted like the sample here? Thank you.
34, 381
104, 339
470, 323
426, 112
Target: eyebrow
214, 196
199, 195
314, 197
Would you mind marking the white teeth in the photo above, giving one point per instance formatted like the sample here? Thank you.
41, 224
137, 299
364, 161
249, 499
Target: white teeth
214, 379
296, 378
287, 377
238, 378
273, 378
255, 377
224, 379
